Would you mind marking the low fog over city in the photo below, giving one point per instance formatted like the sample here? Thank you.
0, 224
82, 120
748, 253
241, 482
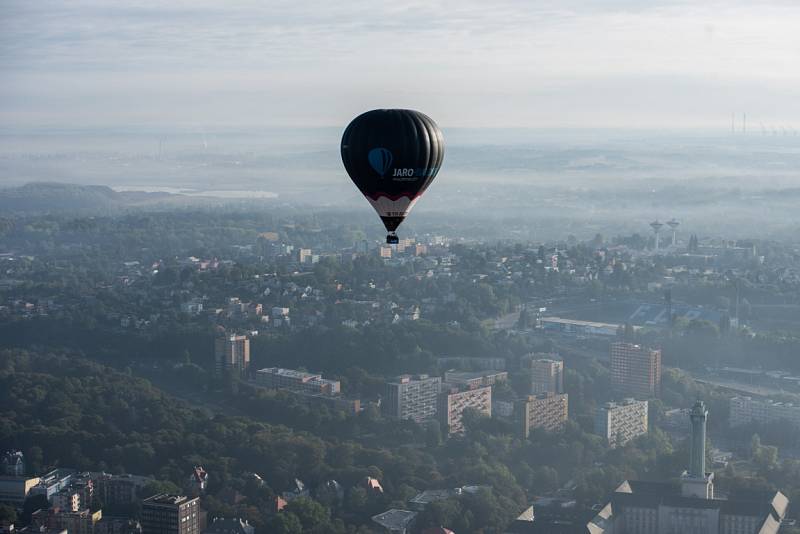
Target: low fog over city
497, 183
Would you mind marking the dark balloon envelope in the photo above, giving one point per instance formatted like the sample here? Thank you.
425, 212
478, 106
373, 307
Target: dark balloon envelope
392, 155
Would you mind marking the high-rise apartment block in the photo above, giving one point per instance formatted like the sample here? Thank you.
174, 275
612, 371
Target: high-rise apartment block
171, 514
278, 378
546, 373
232, 353
635, 370
454, 401
412, 397
548, 411
621, 422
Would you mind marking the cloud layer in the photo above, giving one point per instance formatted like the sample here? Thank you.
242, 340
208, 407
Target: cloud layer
467, 63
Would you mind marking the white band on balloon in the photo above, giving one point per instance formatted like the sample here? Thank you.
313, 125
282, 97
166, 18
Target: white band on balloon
386, 207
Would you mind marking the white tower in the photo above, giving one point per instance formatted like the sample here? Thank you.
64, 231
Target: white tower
656, 226
673, 224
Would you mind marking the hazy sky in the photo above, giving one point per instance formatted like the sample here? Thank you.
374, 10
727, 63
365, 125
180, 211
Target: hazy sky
615, 63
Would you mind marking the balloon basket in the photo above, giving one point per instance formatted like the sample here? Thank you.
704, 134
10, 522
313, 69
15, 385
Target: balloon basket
392, 239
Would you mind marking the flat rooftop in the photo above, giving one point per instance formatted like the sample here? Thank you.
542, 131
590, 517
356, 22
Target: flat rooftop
395, 519
472, 375
576, 322
429, 496
289, 373
168, 500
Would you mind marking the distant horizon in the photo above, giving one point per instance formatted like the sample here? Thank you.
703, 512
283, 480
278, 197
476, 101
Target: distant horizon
190, 129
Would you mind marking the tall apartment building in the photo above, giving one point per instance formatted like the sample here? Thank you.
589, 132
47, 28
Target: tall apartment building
475, 379
746, 410
621, 422
232, 353
171, 514
635, 370
548, 411
454, 401
546, 373
412, 397
279, 378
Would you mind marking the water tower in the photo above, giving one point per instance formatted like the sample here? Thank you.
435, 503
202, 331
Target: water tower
656, 226
673, 225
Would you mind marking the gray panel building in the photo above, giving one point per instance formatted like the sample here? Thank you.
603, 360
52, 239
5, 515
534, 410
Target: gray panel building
621, 422
412, 397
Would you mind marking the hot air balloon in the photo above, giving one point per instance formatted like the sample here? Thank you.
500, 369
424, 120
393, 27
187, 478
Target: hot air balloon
392, 155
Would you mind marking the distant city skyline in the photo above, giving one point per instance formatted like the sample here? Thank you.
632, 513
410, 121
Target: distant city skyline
580, 64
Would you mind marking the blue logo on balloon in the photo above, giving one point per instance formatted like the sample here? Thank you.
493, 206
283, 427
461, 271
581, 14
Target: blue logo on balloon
380, 159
